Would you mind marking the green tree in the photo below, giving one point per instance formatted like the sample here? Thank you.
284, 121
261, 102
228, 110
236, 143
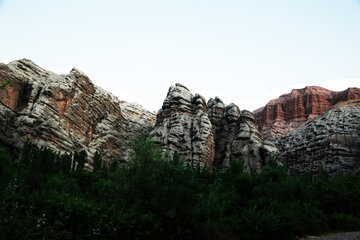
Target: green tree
3, 84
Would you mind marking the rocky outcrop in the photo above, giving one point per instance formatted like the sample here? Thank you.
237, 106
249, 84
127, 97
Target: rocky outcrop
236, 136
69, 113
293, 110
183, 126
66, 113
330, 142
212, 134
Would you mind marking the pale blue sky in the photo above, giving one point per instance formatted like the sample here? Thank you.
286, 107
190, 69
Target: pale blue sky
246, 52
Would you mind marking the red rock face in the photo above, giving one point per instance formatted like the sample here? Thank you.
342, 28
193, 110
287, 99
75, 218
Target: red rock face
293, 110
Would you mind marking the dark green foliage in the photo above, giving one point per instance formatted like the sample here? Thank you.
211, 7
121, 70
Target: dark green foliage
3, 84
155, 196
79, 159
97, 162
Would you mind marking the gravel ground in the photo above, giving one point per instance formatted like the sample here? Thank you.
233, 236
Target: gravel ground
336, 236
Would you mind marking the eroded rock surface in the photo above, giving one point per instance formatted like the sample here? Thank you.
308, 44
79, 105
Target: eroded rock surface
212, 134
293, 110
69, 113
236, 136
183, 126
66, 113
330, 142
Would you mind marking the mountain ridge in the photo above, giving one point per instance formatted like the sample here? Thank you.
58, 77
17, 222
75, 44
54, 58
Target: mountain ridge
69, 113
294, 109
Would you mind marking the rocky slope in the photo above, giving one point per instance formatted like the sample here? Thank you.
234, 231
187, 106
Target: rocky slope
66, 113
212, 134
293, 110
330, 142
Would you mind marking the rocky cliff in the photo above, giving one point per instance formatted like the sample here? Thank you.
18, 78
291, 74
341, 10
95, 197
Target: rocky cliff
293, 110
209, 134
330, 142
236, 136
66, 113
69, 113
183, 126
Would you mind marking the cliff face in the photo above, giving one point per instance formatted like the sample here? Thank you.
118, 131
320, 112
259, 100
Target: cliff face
293, 110
69, 113
236, 136
330, 142
212, 134
182, 125
66, 112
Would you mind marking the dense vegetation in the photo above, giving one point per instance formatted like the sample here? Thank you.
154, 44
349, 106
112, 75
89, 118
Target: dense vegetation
46, 196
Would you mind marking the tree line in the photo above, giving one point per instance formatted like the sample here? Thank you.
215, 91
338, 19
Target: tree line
47, 195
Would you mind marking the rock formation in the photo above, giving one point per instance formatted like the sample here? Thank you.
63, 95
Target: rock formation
212, 134
236, 136
293, 110
66, 113
330, 142
183, 126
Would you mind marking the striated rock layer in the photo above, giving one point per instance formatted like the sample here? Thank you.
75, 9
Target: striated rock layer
183, 126
212, 134
66, 113
69, 113
293, 110
330, 142
236, 136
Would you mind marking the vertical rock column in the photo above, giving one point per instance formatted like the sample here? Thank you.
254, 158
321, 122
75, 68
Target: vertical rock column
183, 125
236, 136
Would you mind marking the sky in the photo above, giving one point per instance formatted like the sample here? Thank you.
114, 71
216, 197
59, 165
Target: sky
244, 51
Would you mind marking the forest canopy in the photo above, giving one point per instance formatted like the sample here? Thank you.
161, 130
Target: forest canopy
47, 195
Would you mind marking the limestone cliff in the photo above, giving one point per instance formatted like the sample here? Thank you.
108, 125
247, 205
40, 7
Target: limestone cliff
183, 126
69, 113
212, 134
66, 113
236, 136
